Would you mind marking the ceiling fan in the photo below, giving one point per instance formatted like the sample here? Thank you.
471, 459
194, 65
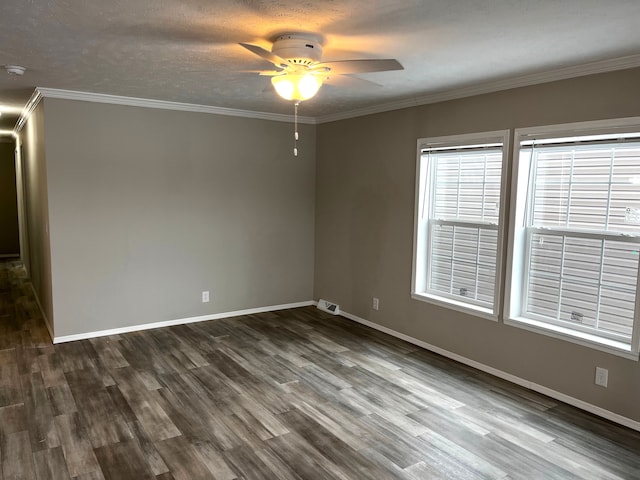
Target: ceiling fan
300, 71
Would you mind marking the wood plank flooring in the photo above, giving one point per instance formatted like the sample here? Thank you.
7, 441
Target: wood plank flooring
294, 394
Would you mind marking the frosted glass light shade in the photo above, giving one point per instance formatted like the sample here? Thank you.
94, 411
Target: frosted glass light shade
297, 87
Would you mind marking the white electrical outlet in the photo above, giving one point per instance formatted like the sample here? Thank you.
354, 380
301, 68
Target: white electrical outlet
602, 376
376, 303
205, 296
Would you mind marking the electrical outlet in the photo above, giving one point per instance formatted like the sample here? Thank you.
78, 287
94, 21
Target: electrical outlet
602, 376
205, 296
376, 303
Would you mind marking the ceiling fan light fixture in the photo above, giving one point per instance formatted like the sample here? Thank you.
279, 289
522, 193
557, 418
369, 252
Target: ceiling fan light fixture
297, 87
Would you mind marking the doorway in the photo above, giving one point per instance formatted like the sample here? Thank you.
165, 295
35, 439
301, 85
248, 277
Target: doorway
9, 230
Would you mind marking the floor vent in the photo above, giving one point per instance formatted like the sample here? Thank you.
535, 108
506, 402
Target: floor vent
327, 306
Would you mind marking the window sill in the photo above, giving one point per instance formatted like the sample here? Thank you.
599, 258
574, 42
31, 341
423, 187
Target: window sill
581, 338
455, 305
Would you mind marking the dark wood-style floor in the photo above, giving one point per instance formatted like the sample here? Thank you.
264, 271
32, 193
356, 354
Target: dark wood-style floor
295, 394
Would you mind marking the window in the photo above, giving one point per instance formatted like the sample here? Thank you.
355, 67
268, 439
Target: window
457, 225
576, 233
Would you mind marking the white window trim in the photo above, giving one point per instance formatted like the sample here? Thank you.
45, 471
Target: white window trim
420, 248
513, 284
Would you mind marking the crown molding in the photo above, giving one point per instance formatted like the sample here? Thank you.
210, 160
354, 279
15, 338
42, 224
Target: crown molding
28, 109
165, 105
563, 73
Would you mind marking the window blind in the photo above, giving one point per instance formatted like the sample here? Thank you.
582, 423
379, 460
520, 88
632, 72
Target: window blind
463, 216
583, 235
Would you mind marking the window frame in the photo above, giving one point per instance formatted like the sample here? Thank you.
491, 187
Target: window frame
518, 247
421, 243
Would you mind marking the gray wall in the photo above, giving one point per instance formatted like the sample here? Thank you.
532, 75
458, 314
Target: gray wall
364, 230
9, 237
149, 207
36, 210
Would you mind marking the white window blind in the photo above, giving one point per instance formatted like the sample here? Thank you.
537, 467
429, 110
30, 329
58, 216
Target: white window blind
582, 235
459, 212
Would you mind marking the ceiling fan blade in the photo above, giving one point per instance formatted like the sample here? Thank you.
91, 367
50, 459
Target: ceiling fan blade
343, 67
265, 73
266, 54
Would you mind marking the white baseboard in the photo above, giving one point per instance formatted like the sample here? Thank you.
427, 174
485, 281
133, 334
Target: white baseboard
180, 321
601, 412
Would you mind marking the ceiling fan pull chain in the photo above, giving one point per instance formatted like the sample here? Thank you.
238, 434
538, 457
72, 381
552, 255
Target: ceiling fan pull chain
295, 133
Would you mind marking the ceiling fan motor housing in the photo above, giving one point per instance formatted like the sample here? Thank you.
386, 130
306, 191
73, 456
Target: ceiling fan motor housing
297, 49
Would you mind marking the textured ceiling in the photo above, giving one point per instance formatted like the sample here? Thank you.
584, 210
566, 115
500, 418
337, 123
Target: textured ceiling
187, 51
